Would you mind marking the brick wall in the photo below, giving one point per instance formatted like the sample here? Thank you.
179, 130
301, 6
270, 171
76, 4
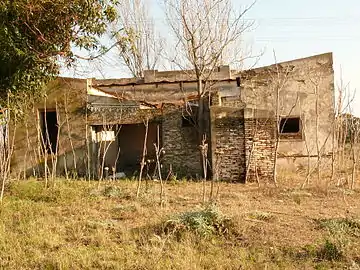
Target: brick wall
229, 148
259, 148
180, 144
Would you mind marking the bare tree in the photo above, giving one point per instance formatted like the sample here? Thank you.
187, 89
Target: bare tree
204, 32
158, 151
67, 120
7, 148
139, 45
204, 152
279, 81
337, 129
55, 155
106, 138
315, 83
341, 129
142, 163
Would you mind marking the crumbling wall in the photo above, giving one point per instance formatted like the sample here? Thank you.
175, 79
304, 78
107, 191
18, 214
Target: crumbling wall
113, 111
259, 149
180, 144
232, 128
300, 83
229, 148
68, 98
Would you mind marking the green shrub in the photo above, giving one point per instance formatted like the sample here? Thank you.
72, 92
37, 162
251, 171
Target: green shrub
205, 222
330, 251
108, 191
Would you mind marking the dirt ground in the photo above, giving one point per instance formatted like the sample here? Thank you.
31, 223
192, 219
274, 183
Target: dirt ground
92, 225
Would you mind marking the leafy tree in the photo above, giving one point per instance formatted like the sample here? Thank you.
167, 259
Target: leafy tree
36, 34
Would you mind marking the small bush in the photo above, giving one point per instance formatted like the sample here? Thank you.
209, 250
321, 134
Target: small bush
112, 192
330, 251
205, 222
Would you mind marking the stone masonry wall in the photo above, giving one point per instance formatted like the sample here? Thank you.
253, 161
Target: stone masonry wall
229, 152
180, 145
259, 148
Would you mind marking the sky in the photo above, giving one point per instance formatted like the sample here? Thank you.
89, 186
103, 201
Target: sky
293, 29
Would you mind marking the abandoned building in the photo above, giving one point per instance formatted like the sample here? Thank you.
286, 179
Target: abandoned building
94, 128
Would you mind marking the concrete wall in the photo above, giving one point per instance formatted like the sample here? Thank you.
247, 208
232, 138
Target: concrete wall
305, 78
301, 83
68, 97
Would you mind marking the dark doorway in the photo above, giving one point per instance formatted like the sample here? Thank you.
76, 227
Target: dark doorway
49, 130
131, 142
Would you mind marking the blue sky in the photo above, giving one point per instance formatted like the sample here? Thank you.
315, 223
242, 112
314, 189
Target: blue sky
297, 29
301, 28
294, 29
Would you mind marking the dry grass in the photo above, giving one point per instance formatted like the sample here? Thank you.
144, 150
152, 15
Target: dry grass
76, 225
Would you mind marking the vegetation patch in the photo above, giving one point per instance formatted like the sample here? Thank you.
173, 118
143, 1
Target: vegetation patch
109, 191
343, 240
329, 251
260, 215
341, 226
92, 225
33, 191
204, 222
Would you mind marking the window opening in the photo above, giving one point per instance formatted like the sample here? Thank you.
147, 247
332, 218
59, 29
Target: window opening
290, 125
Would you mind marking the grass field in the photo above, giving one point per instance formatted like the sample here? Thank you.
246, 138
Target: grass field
84, 225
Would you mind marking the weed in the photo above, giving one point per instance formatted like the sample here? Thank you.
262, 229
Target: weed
297, 199
311, 250
260, 215
109, 191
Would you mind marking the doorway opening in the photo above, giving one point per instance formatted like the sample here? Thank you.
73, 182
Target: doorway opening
49, 130
131, 143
